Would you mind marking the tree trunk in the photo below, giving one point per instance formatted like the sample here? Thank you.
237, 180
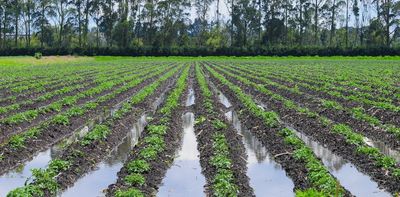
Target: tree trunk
42, 26
347, 23
333, 22
79, 23
86, 31
316, 23
16, 25
387, 21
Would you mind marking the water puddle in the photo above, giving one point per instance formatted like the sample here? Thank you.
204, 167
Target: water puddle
267, 178
222, 98
386, 150
349, 177
95, 181
353, 180
184, 178
190, 98
17, 177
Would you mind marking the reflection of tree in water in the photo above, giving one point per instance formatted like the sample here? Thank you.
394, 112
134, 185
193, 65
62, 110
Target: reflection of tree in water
331, 160
384, 149
251, 141
122, 151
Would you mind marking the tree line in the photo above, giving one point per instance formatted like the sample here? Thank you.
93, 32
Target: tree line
122, 24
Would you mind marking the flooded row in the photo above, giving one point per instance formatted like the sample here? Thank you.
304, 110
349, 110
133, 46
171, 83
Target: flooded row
267, 178
105, 174
260, 163
184, 178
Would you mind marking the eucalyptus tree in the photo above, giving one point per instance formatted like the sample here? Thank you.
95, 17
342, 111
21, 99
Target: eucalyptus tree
202, 8
28, 7
65, 15
95, 13
335, 8
44, 10
6, 20
17, 10
390, 13
317, 5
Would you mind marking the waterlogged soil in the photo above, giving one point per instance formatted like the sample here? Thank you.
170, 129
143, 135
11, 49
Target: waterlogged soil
349, 177
8, 130
94, 182
267, 177
164, 160
184, 178
128, 129
205, 132
334, 142
17, 177
384, 115
55, 133
269, 137
339, 116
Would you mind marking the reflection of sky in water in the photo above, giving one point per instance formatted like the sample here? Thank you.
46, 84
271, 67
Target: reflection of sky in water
353, 180
267, 178
95, 181
16, 178
190, 98
184, 178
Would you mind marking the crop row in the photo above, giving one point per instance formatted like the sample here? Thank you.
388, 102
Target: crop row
41, 113
221, 167
92, 148
318, 176
150, 153
371, 123
65, 122
339, 130
380, 102
77, 86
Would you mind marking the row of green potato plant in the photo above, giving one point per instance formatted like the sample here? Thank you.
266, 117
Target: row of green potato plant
66, 79
354, 95
42, 185
57, 106
18, 141
154, 142
357, 112
319, 177
328, 85
52, 73
369, 78
386, 162
64, 90
40, 85
13, 97
223, 183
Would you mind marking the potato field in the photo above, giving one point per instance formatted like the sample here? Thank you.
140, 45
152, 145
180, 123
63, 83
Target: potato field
215, 126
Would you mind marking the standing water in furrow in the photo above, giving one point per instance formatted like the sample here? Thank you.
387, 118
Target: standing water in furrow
267, 178
17, 177
93, 183
353, 180
184, 178
356, 182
